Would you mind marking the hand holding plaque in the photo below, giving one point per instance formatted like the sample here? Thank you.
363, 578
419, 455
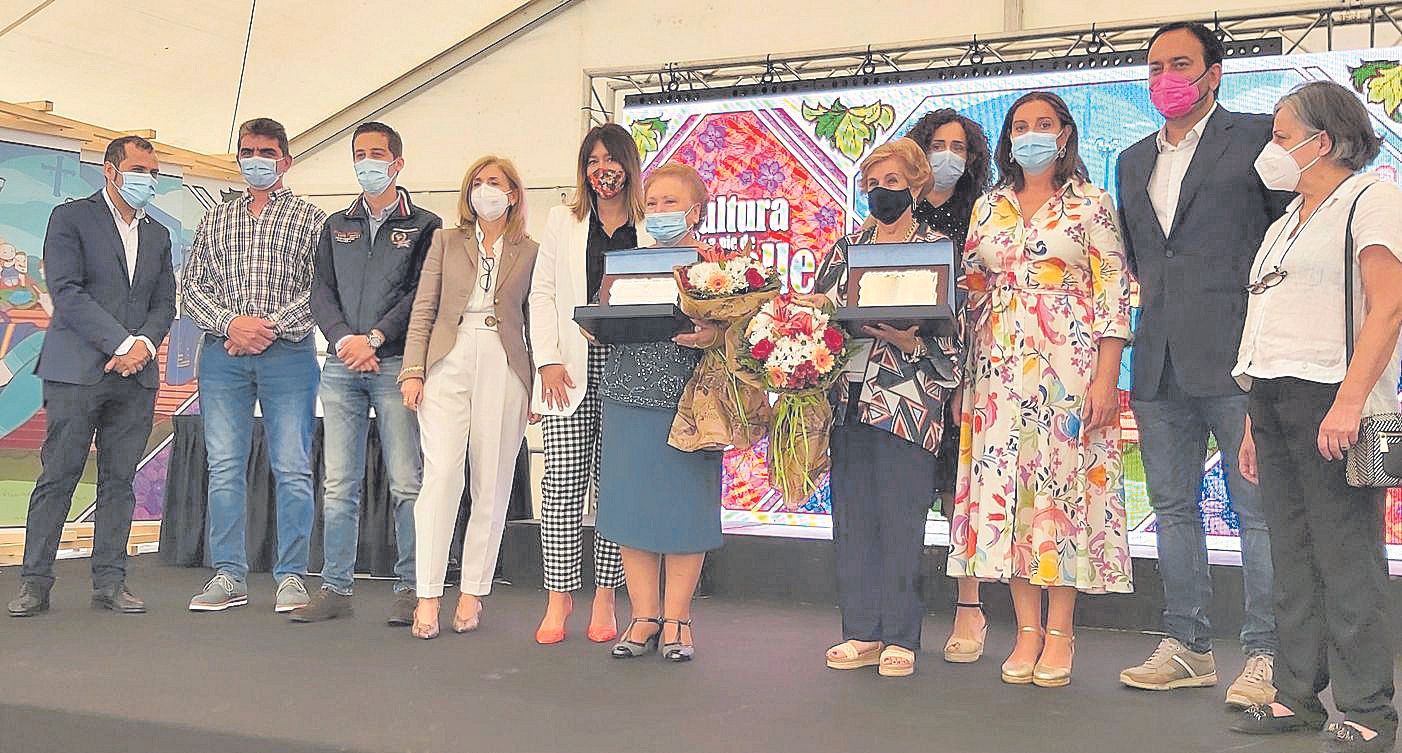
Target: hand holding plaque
901, 285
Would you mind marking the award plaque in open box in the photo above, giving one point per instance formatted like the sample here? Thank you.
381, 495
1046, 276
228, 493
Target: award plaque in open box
638, 297
902, 285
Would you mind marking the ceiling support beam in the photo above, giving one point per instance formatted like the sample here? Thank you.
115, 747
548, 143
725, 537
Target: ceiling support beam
446, 63
28, 15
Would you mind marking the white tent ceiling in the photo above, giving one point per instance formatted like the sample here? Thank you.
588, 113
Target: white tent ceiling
173, 65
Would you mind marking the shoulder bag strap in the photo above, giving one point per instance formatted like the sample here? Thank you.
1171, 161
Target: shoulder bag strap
1348, 278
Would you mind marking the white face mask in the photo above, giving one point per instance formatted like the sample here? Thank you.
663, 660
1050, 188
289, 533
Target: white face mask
1277, 168
489, 202
946, 168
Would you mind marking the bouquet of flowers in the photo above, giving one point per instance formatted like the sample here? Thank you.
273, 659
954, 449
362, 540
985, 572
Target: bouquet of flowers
794, 349
717, 410
726, 278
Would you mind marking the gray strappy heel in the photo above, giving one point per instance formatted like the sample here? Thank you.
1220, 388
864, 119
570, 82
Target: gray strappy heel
629, 649
676, 651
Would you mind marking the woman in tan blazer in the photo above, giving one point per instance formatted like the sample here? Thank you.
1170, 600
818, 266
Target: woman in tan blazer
467, 371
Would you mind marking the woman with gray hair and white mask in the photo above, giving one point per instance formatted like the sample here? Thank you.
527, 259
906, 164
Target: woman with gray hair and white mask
1312, 382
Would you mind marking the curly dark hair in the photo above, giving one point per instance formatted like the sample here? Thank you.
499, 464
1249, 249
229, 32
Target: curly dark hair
978, 165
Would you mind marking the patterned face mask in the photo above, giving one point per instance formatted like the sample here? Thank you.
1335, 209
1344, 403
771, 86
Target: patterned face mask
607, 183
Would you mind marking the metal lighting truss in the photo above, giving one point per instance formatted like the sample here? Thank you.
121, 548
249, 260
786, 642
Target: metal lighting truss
1267, 32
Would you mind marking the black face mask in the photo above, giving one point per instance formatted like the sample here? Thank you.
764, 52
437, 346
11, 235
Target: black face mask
887, 205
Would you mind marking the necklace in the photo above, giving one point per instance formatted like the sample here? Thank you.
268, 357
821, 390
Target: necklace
1295, 236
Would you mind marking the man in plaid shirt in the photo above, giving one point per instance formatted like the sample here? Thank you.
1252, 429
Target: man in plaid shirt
247, 284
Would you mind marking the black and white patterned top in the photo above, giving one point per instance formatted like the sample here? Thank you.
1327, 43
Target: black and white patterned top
241, 265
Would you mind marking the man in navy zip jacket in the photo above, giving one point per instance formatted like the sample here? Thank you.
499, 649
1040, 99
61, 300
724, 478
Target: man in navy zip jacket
367, 271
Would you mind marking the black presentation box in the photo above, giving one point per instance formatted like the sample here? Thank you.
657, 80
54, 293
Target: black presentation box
640, 323
933, 321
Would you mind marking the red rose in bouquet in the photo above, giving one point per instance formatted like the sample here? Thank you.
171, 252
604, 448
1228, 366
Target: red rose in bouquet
762, 349
755, 278
833, 338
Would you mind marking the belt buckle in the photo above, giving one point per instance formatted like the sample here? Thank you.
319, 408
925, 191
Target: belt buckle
490, 321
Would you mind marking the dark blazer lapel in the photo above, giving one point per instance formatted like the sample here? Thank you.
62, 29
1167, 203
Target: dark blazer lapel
1215, 140
1142, 168
103, 216
147, 248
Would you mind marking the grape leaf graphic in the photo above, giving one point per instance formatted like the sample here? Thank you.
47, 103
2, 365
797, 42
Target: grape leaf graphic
1380, 81
648, 133
849, 129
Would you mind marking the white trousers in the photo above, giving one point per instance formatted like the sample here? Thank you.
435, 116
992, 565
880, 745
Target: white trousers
473, 411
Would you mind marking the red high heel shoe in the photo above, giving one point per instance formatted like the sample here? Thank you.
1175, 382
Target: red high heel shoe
546, 637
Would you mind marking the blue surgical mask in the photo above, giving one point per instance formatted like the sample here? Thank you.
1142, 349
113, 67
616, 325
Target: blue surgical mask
137, 189
947, 168
260, 172
667, 227
1035, 151
373, 175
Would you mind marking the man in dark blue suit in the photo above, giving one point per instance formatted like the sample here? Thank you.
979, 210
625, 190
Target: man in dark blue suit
109, 271
1193, 212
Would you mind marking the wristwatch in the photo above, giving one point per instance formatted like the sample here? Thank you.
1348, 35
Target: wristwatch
375, 339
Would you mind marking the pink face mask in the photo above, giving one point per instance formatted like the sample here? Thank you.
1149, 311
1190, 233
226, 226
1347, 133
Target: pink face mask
1173, 94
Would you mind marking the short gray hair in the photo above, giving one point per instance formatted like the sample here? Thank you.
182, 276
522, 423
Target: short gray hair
1331, 108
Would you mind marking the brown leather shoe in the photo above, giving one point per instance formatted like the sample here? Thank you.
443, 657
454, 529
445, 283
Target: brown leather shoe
118, 599
32, 599
324, 605
401, 612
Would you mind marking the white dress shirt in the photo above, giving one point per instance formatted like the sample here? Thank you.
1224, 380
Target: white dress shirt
1296, 328
129, 235
481, 301
1172, 164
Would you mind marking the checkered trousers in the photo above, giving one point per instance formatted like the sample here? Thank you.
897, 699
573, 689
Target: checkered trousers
572, 451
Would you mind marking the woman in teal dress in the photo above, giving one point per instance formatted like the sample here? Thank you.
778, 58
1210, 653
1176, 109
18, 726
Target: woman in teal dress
661, 505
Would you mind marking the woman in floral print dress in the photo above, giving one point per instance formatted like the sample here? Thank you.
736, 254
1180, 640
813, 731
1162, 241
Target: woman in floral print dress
1039, 500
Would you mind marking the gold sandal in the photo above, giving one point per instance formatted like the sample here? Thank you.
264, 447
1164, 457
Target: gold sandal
854, 659
1047, 676
902, 662
1021, 674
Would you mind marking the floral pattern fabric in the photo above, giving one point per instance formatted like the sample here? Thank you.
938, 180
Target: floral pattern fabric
1038, 498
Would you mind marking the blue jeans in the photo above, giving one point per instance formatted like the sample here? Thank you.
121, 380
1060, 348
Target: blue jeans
1173, 429
282, 379
346, 399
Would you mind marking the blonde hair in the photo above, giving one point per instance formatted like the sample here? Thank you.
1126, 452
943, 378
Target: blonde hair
515, 214
913, 162
688, 177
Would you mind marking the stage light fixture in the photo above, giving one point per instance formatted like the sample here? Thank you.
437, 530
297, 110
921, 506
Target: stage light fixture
671, 77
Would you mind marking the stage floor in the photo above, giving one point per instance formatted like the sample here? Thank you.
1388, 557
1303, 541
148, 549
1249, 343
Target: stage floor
247, 680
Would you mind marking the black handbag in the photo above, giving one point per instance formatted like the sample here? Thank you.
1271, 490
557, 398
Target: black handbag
1375, 460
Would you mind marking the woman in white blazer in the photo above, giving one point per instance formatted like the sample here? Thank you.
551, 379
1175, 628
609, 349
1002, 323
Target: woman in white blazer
606, 215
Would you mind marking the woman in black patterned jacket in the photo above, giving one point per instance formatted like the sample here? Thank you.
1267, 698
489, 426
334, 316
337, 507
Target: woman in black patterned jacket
889, 426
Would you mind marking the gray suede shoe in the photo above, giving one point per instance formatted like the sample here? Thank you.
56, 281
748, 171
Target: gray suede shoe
291, 594
220, 593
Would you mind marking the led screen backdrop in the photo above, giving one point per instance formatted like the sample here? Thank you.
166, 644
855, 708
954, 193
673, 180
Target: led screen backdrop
782, 173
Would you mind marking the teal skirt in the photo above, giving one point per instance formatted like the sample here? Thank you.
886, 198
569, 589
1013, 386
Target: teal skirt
652, 496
